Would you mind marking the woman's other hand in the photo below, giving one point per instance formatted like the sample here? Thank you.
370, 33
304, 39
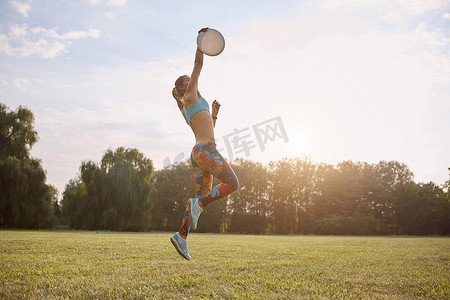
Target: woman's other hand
215, 109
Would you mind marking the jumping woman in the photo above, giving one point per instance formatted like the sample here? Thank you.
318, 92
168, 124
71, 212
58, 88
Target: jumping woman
206, 160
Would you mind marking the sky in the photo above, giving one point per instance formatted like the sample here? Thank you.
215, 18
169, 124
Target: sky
328, 81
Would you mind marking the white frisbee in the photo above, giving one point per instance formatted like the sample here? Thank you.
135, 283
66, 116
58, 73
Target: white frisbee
211, 42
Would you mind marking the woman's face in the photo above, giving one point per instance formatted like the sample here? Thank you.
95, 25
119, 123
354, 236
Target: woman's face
186, 81
184, 84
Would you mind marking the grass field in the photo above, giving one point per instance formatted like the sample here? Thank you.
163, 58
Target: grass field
88, 265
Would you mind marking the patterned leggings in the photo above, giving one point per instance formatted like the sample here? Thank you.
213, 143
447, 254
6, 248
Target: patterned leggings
207, 162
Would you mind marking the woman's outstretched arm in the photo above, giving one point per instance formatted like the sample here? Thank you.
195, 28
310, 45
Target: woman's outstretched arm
192, 88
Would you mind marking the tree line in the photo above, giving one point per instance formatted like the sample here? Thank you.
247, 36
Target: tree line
291, 196
296, 196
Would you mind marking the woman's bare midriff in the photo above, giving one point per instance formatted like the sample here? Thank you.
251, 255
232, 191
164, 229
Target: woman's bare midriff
203, 128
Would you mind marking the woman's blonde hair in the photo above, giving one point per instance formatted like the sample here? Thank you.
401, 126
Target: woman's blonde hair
176, 92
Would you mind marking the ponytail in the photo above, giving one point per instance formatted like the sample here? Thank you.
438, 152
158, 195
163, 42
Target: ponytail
176, 95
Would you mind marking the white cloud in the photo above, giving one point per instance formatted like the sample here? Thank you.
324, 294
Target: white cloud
418, 7
47, 43
21, 7
446, 16
110, 15
391, 10
333, 4
71, 35
119, 3
22, 84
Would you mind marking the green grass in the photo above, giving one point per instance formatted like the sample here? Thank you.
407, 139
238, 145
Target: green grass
91, 265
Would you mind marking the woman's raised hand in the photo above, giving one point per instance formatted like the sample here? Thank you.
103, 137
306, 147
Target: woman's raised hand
215, 108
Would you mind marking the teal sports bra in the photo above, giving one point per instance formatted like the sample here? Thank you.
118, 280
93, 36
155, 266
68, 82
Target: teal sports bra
201, 104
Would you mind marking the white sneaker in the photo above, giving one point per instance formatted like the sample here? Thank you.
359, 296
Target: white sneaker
180, 245
194, 212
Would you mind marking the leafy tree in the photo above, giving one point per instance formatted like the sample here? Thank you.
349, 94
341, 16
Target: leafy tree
422, 209
358, 198
25, 200
114, 195
446, 209
17, 135
74, 204
325, 202
282, 197
293, 184
173, 186
391, 177
248, 206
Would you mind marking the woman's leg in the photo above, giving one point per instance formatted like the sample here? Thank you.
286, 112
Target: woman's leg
203, 180
203, 185
211, 161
